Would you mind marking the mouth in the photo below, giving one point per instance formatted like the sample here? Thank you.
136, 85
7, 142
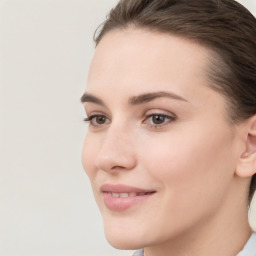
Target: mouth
132, 194
122, 197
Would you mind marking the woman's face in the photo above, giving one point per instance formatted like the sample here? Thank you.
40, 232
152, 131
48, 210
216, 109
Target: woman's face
160, 152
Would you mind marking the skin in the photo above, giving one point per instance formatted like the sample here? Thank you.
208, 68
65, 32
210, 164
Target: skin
193, 159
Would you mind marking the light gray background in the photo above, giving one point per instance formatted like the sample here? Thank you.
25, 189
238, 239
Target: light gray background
46, 204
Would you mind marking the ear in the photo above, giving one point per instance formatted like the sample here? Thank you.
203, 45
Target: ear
246, 166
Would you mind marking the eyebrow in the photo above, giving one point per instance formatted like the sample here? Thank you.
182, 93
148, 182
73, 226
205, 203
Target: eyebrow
87, 97
147, 97
135, 100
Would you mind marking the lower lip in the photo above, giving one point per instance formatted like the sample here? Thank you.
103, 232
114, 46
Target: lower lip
123, 203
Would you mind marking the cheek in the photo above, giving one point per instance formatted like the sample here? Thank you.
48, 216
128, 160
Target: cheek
88, 157
89, 153
188, 171
193, 162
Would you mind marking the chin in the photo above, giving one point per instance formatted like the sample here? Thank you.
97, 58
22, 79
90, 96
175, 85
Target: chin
124, 245
123, 240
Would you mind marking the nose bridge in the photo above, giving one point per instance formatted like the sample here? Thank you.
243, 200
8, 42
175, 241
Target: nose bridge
116, 151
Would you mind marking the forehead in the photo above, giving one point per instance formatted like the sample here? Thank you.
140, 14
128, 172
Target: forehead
142, 58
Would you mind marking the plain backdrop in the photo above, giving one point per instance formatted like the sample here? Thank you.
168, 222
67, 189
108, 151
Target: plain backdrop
46, 204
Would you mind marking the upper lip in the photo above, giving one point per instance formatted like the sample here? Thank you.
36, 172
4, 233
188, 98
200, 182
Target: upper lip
120, 188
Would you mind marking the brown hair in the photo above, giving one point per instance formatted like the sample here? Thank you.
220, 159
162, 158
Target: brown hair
224, 26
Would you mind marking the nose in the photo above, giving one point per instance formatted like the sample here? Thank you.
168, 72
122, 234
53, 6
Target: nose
116, 152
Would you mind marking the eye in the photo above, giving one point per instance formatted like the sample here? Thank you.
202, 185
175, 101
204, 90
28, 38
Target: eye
97, 120
158, 120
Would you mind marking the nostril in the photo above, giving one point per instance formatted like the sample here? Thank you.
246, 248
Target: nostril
114, 162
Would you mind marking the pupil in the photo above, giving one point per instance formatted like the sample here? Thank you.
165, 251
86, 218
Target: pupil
157, 119
100, 120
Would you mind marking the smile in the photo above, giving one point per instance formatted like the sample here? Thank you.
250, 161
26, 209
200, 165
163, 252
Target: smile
122, 197
133, 194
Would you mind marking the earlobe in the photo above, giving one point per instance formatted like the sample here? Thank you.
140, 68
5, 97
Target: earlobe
247, 163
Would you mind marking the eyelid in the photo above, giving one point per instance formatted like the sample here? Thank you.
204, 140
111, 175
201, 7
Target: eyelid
93, 113
160, 112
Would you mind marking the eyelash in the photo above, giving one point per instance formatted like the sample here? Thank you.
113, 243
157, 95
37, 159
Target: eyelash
170, 118
89, 119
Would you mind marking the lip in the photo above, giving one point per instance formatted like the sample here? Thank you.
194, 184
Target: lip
115, 203
120, 188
